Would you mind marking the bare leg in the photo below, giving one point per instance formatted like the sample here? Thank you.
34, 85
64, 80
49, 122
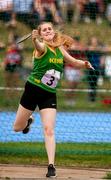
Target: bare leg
48, 117
22, 116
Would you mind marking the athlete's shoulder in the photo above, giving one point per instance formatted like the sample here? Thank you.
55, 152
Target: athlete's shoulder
37, 55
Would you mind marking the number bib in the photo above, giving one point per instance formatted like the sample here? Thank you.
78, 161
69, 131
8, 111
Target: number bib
51, 78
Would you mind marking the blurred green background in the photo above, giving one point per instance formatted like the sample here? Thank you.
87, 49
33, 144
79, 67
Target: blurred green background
102, 31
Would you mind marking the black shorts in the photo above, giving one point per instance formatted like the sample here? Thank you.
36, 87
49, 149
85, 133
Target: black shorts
34, 96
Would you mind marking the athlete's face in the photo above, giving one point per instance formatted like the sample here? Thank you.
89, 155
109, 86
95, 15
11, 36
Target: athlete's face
47, 32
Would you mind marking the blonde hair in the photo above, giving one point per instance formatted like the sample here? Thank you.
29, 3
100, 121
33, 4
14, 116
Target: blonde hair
59, 38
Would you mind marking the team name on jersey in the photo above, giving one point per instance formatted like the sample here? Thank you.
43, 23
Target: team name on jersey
56, 61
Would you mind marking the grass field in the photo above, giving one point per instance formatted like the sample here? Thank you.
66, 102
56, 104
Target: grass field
91, 155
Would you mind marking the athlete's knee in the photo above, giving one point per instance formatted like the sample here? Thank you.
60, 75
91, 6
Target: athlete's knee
16, 128
48, 131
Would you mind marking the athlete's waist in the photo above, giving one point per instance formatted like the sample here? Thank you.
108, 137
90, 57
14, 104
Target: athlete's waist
37, 82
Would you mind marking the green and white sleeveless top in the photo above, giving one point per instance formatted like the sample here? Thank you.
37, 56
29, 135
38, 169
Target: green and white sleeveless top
47, 69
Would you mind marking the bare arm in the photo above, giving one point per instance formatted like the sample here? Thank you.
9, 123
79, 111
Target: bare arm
77, 63
39, 46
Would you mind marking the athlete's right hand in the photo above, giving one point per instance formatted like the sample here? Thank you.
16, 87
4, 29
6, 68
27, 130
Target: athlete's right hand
34, 34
